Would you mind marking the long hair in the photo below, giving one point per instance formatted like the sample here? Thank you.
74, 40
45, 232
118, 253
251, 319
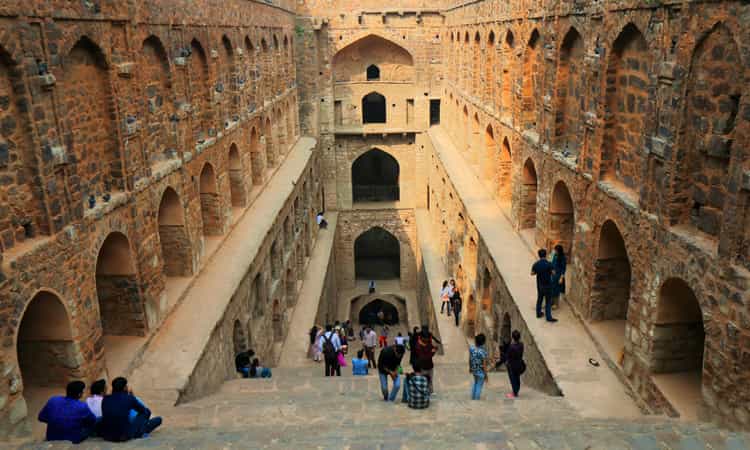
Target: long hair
560, 253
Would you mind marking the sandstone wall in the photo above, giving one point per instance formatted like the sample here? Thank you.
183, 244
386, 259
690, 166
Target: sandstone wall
618, 118
128, 104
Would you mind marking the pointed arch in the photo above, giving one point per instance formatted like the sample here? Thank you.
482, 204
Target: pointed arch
375, 177
377, 255
210, 202
176, 248
395, 63
561, 218
704, 155
626, 101
86, 85
157, 92
569, 93
504, 176
530, 92
44, 344
374, 108
200, 94
257, 159
528, 195
236, 177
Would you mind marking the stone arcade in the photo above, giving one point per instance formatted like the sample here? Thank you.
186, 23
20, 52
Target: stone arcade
162, 164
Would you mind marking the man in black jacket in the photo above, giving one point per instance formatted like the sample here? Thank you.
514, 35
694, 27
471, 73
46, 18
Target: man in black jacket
117, 425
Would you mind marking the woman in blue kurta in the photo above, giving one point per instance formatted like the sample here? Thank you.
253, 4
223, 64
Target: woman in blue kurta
559, 265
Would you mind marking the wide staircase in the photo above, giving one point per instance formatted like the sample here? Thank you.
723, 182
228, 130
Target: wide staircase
299, 408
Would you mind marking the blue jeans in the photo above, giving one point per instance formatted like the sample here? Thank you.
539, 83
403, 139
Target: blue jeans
143, 424
544, 294
476, 388
384, 387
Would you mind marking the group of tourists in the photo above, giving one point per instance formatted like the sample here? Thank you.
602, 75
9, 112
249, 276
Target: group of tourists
550, 281
249, 366
451, 297
117, 417
330, 345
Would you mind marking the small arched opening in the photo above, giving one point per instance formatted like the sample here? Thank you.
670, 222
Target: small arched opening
375, 177
176, 249
210, 202
561, 218
121, 308
257, 161
505, 166
270, 142
486, 290
45, 344
373, 72
377, 255
236, 184
373, 108
278, 326
528, 195
678, 347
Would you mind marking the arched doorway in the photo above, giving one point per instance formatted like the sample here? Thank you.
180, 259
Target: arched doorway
528, 195
45, 344
610, 291
375, 176
236, 184
678, 347
210, 202
377, 255
373, 108
176, 250
378, 312
561, 218
487, 290
271, 152
121, 308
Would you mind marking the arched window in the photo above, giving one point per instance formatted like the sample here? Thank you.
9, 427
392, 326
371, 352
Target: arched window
373, 73
375, 177
373, 108
377, 255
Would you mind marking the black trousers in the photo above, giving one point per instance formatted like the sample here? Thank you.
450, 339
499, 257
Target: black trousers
370, 352
332, 365
456, 314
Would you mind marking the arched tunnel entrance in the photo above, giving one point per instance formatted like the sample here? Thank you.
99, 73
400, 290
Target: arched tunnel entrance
378, 312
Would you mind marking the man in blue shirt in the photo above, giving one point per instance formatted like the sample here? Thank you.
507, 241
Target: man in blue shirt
68, 418
543, 270
116, 424
359, 364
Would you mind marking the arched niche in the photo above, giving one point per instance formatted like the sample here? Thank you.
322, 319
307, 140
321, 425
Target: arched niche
561, 218
610, 290
528, 195
393, 61
88, 116
210, 202
569, 91
176, 248
236, 177
679, 334
157, 98
377, 255
626, 100
45, 345
375, 177
121, 307
257, 159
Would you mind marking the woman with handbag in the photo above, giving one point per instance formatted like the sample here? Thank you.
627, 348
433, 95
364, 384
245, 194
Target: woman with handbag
515, 364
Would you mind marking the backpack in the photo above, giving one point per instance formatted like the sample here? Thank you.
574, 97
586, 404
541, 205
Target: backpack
328, 348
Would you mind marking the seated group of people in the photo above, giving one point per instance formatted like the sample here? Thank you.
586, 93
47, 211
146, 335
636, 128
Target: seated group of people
117, 417
249, 366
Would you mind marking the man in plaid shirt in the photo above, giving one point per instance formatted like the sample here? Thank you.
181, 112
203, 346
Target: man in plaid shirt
417, 389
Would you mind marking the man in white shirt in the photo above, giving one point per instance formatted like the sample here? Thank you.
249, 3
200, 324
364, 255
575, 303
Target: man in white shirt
330, 345
321, 221
94, 402
370, 342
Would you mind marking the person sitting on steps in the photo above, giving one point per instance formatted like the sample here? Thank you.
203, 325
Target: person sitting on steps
117, 425
258, 371
68, 418
322, 223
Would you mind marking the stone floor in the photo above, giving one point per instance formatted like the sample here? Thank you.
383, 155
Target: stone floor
299, 408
